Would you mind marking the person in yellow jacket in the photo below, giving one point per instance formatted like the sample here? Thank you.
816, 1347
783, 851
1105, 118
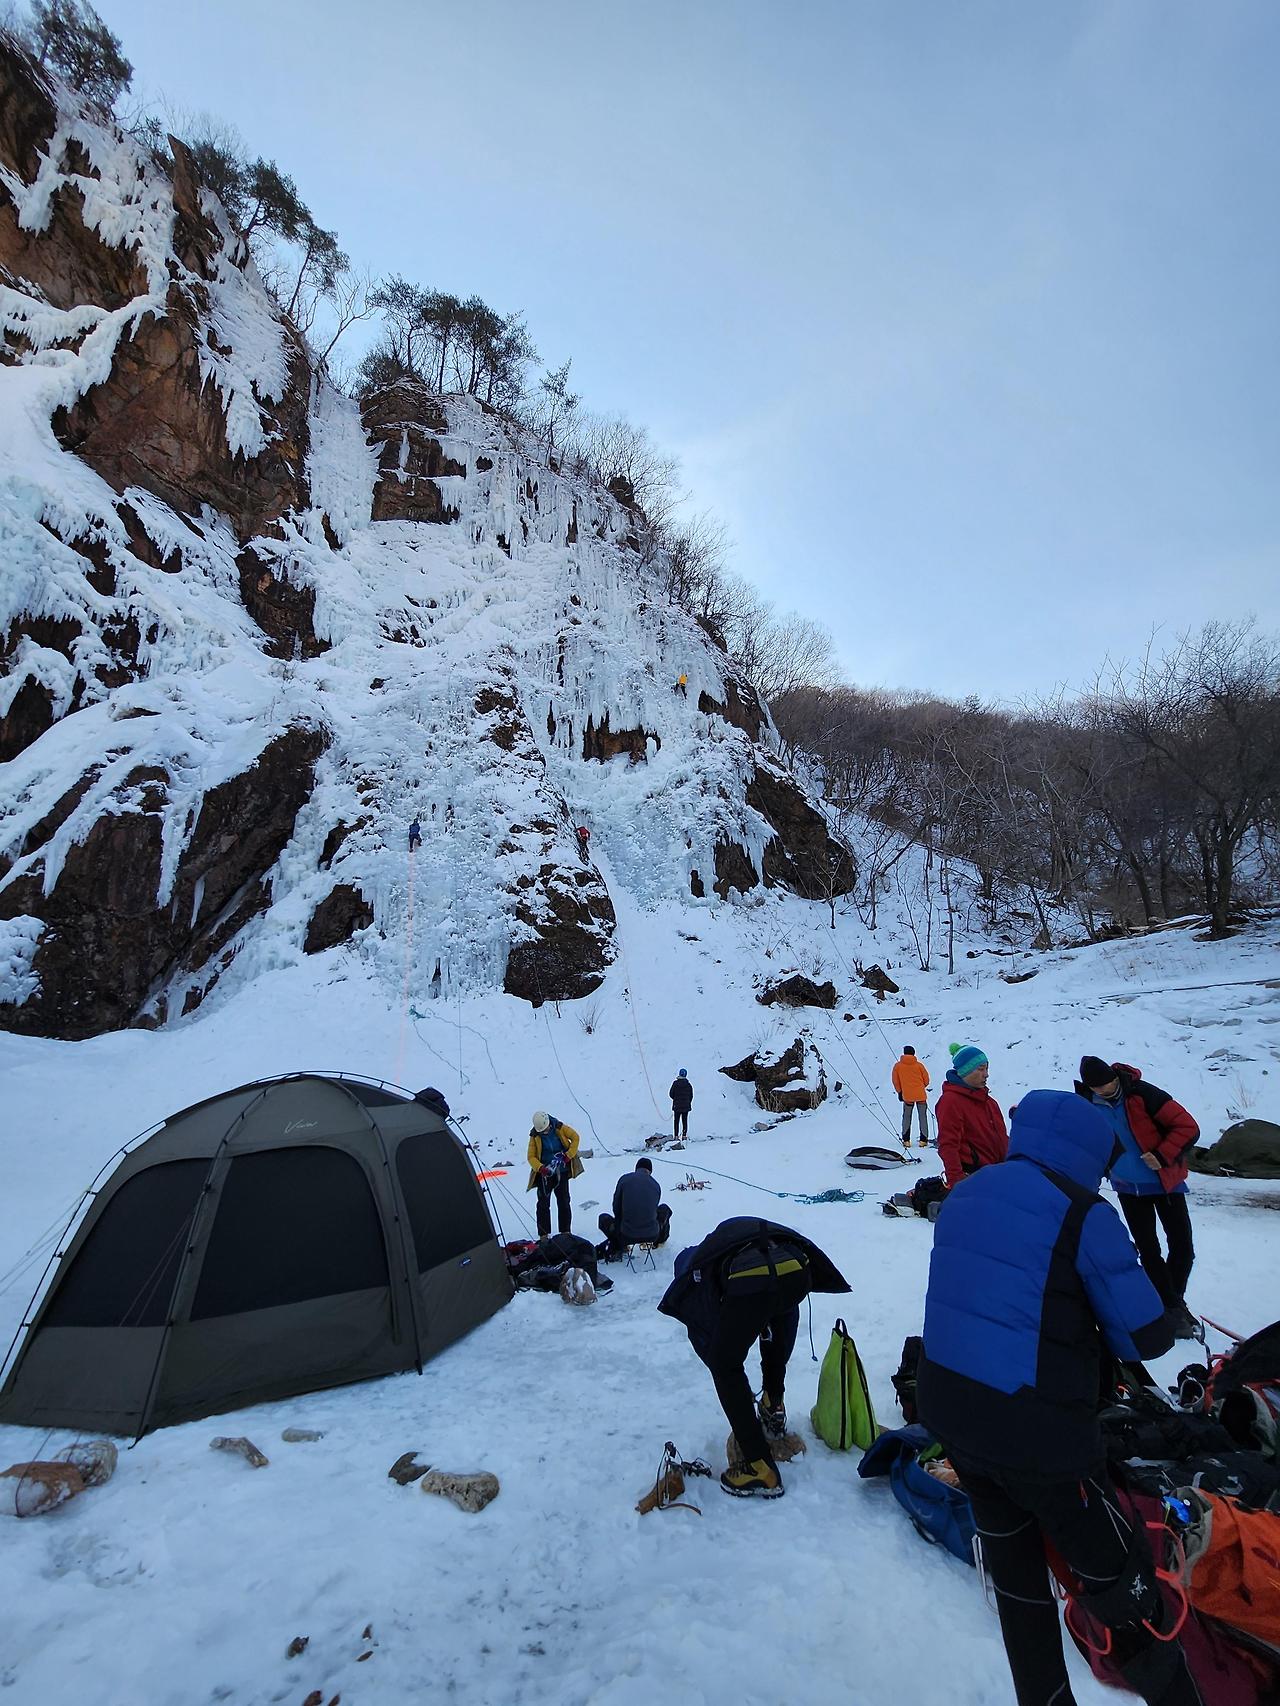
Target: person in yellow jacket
911, 1081
553, 1161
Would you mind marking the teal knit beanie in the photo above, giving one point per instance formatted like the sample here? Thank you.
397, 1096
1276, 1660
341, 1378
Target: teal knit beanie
966, 1059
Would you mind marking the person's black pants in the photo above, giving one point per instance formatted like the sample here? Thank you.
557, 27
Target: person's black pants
1082, 1520
618, 1240
681, 1122
555, 1183
773, 1317
1168, 1273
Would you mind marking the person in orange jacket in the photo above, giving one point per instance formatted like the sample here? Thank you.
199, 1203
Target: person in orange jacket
911, 1081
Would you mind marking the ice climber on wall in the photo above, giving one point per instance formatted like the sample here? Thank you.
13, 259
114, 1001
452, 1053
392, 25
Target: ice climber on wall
1149, 1174
971, 1129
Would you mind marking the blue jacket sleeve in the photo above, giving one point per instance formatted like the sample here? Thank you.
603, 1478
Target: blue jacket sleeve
1127, 1305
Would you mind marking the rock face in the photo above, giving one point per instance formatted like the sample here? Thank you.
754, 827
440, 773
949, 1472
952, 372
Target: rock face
109, 928
786, 1082
290, 624
403, 421
798, 991
342, 912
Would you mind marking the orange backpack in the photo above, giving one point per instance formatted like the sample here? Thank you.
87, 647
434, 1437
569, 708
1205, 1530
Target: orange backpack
1234, 1565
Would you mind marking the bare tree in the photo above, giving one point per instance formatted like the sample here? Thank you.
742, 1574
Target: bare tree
1210, 710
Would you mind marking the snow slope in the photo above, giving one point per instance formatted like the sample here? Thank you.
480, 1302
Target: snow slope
186, 1578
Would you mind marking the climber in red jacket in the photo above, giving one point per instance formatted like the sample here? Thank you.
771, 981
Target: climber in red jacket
971, 1129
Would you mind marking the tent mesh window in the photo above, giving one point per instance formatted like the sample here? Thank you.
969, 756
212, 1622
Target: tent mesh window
446, 1210
125, 1271
373, 1095
292, 1224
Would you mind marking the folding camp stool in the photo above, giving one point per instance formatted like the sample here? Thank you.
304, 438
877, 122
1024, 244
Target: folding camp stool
641, 1249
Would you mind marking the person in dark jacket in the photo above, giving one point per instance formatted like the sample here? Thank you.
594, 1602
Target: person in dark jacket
1032, 1281
415, 836
743, 1283
1149, 1175
971, 1131
639, 1214
681, 1093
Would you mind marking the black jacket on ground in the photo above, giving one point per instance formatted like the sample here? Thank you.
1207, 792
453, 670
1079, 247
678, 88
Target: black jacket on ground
694, 1297
681, 1094
635, 1208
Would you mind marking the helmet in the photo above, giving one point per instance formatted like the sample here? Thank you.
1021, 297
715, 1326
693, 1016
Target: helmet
541, 1121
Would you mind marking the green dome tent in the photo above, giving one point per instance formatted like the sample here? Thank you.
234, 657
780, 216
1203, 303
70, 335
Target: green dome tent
293, 1234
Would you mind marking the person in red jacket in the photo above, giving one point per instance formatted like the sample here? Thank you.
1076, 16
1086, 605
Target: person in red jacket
1149, 1174
971, 1129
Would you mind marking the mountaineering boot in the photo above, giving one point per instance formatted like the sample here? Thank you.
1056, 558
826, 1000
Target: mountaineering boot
773, 1418
758, 1480
1185, 1324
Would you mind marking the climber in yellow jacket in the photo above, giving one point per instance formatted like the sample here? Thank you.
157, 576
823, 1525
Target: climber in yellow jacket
553, 1161
911, 1081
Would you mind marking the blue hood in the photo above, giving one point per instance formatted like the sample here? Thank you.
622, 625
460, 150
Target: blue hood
1062, 1131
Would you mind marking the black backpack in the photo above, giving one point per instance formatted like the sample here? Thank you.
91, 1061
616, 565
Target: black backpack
904, 1381
758, 1266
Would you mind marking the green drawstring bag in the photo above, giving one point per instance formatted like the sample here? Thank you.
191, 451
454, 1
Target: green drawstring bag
844, 1415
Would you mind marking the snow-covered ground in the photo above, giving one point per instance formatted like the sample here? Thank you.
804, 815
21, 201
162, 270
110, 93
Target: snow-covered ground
186, 1578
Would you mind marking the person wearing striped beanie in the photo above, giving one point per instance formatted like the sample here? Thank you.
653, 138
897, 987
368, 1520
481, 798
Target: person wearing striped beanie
971, 1128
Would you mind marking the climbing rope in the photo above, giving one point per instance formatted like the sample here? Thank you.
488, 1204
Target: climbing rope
596, 1137
783, 1196
404, 982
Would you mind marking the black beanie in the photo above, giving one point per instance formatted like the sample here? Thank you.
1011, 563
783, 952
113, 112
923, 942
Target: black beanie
907, 1049
1094, 1073
644, 1165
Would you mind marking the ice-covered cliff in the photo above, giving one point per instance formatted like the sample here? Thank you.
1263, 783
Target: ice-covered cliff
250, 630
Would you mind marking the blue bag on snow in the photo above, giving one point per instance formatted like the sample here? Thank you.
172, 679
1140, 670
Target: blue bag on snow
942, 1515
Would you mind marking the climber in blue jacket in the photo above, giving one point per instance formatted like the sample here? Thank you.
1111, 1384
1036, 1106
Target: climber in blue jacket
1032, 1283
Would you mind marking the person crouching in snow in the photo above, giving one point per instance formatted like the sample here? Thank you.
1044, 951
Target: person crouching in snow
1031, 1277
746, 1281
639, 1214
1149, 1175
553, 1161
681, 1094
971, 1130
911, 1081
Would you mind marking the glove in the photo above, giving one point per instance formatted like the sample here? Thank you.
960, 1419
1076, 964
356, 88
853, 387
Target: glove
544, 1171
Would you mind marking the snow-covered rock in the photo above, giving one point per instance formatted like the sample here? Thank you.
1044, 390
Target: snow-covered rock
250, 632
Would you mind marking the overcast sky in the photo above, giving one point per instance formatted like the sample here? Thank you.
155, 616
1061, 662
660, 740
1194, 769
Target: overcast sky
963, 316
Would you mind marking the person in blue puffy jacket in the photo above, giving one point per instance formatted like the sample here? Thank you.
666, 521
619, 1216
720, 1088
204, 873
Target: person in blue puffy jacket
1032, 1283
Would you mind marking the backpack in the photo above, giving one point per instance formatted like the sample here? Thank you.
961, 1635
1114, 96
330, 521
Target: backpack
904, 1381
1224, 1674
939, 1512
844, 1415
759, 1265
926, 1191
1234, 1560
